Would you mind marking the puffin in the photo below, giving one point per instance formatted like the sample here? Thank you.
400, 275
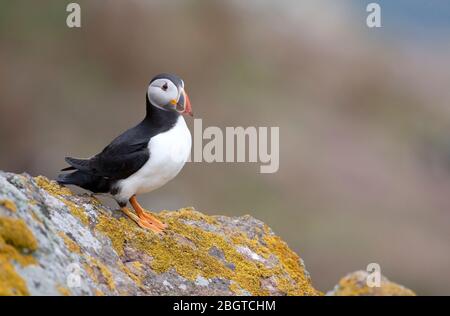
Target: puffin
144, 157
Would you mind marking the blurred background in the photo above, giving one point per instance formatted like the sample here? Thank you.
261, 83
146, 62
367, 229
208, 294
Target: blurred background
364, 114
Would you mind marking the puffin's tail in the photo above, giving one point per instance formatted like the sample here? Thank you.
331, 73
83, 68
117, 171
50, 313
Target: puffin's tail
86, 181
76, 178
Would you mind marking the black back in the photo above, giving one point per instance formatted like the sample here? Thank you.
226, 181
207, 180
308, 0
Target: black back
125, 155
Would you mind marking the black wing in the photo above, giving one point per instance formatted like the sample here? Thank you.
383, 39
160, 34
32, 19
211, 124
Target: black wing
124, 156
129, 152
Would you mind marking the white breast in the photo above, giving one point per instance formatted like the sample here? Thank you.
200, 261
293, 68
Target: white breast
169, 151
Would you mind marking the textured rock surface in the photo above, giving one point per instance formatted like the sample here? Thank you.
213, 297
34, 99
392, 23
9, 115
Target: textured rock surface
53, 242
354, 284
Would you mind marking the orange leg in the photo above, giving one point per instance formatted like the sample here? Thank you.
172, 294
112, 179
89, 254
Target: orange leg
146, 220
142, 222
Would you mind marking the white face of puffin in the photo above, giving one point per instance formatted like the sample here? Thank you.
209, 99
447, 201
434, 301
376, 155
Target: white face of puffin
162, 93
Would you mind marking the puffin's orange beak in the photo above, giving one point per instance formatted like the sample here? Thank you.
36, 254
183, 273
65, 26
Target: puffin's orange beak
187, 107
184, 104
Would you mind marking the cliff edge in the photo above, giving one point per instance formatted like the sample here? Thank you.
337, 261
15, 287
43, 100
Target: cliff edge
53, 242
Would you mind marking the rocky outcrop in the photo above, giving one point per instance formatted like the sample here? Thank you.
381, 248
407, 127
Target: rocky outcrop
355, 284
53, 242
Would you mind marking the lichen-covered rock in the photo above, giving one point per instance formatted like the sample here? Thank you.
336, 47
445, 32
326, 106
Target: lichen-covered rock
53, 242
355, 284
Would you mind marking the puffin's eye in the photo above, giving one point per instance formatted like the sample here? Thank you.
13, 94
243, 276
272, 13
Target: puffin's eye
165, 86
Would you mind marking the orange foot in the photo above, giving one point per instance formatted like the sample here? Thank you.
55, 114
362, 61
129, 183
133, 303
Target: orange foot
143, 218
144, 223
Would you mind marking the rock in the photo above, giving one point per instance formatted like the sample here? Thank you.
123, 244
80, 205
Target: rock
354, 284
53, 242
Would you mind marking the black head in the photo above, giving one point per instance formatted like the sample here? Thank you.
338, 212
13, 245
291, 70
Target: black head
166, 92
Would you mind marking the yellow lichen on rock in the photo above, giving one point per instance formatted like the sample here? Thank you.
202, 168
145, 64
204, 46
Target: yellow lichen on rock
70, 244
59, 192
167, 252
104, 272
98, 292
15, 241
355, 284
63, 290
8, 204
36, 218
78, 212
189, 213
137, 265
197, 254
133, 276
90, 271
51, 186
291, 263
16, 233
10, 282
